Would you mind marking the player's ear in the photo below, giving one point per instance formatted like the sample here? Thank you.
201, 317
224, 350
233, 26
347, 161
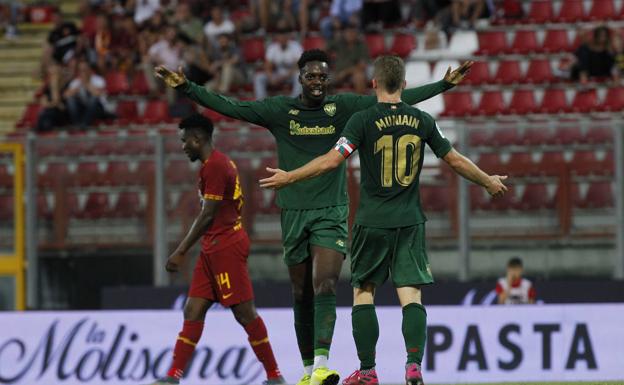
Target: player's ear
374, 82
404, 85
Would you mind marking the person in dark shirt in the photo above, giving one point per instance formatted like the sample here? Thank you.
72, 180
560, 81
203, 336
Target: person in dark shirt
63, 39
594, 59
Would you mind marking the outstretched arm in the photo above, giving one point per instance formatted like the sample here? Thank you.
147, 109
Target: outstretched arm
451, 79
466, 168
200, 225
249, 111
315, 167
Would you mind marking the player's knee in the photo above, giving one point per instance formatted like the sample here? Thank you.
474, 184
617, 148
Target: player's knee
194, 311
326, 285
244, 315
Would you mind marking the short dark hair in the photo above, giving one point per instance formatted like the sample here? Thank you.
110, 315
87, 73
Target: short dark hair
198, 122
389, 71
514, 262
312, 55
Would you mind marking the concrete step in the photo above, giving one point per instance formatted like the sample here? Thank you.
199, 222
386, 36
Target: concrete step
23, 41
11, 113
6, 127
19, 98
13, 69
33, 29
22, 54
19, 82
70, 8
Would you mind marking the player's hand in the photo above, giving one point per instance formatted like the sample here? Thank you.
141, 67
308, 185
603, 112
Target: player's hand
495, 186
175, 261
456, 76
279, 179
171, 78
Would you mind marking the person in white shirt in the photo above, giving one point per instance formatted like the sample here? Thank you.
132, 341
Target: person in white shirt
513, 289
280, 65
218, 25
341, 13
167, 51
144, 10
85, 96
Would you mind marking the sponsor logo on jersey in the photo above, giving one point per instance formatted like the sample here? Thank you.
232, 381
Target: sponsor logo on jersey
293, 112
397, 120
330, 109
340, 243
298, 129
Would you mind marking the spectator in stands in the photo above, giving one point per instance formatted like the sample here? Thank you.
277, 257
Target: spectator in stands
166, 51
285, 11
226, 64
217, 25
377, 14
196, 60
99, 51
425, 10
342, 12
62, 40
124, 44
514, 289
280, 65
351, 59
188, 24
85, 97
465, 13
618, 49
594, 59
143, 9
9, 10
54, 113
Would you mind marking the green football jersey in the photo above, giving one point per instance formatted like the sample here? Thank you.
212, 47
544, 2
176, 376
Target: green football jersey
391, 142
303, 133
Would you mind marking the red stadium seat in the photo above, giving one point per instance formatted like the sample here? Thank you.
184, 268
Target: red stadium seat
43, 208
539, 71
457, 103
568, 135
117, 83
30, 117
492, 43
585, 101
54, 173
214, 115
403, 44
118, 174
139, 84
585, 163
313, 42
599, 135
608, 164
479, 137
522, 102
571, 11
7, 207
505, 202
97, 206
253, 49
536, 136
599, 196
556, 40
145, 172
552, 163
535, 197
508, 72
614, 100
87, 174
490, 162
492, 103
554, 101
602, 10
179, 172
479, 74
127, 112
505, 137
6, 176
376, 44
128, 205
524, 42
541, 12
435, 198
478, 198
521, 164
156, 111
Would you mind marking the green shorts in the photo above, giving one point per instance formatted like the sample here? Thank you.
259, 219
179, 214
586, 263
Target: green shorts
325, 227
377, 253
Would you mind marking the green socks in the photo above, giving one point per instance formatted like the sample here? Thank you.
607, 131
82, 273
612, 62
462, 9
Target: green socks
304, 329
414, 331
324, 321
365, 334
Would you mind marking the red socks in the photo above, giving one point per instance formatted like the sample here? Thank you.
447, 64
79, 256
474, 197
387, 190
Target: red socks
259, 341
185, 346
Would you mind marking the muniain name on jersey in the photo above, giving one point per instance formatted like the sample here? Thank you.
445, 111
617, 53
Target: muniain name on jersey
297, 129
397, 120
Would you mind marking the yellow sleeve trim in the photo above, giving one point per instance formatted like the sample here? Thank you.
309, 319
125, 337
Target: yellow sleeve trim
259, 342
213, 197
187, 341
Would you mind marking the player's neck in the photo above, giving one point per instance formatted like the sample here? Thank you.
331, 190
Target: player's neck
206, 152
310, 103
384, 97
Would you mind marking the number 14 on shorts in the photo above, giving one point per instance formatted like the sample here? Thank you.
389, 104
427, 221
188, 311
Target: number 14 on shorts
223, 280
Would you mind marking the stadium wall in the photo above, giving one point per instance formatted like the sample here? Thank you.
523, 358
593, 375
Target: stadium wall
476, 344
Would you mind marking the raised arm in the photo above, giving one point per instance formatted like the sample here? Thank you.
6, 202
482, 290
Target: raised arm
450, 80
315, 167
466, 168
249, 111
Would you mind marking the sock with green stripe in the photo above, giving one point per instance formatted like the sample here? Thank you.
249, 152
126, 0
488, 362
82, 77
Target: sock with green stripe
365, 334
304, 329
414, 331
324, 322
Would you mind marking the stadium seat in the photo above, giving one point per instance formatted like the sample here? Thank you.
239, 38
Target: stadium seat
571, 11
614, 100
535, 197
144, 172
118, 174
492, 103
253, 49
599, 135
554, 101
54, 173
87, 174
376, 44
607, 164
551, 164
535, 136
478, 198
135, 142
489, 162
601, 10
187, 205
435, 199
457, 104
599, 196
127, 112
464, 43
522, 102
505, 137
540, 12
492, 43
585, 101
179, 172
156, 111
97, 206
440, 68
433, 106
43, 208
479, 137
417, 73
403, 44
313, 42
117, 83
585, 163
524, 42
214, 115
7, 207
139, 84
6, 176
556, 40
539, 71
504, 203
128, 205
521, 164
508, 72
30, 116
567, 135
479, 74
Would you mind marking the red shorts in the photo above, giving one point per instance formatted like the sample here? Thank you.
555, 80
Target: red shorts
222, 275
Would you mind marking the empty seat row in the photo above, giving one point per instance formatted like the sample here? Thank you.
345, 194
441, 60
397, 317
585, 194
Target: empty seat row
523, 102
538, 133
570, 11
526, 41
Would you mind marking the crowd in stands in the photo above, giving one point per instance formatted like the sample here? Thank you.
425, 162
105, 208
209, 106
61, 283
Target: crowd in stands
204, 39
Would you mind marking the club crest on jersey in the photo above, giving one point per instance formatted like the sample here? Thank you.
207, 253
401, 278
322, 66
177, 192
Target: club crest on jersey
293, 112
330, 109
